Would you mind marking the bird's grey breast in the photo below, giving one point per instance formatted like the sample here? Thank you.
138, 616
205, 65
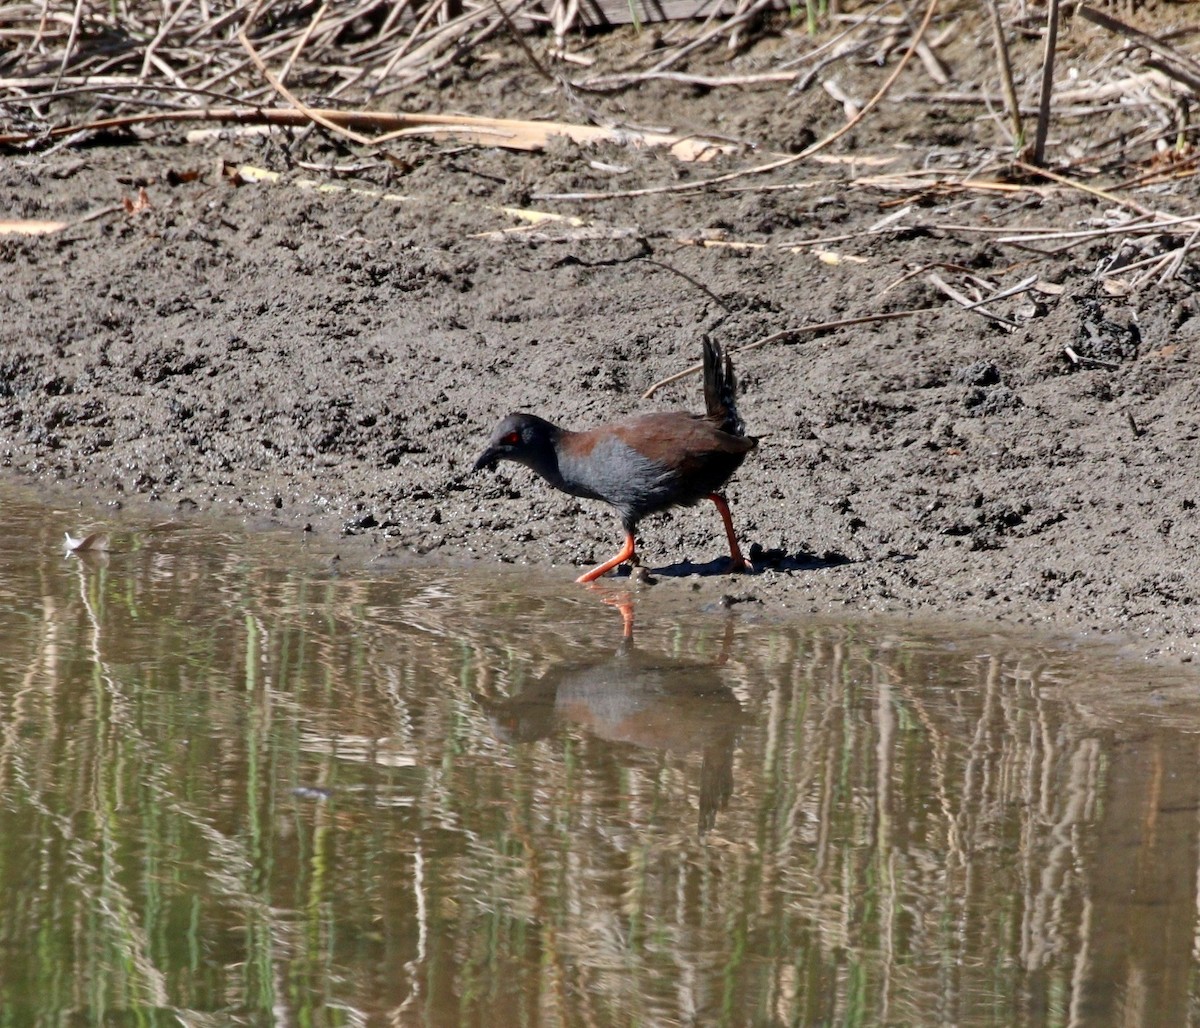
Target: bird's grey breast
615, 472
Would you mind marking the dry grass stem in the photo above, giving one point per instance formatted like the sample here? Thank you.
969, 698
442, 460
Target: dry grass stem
1175, 62
1047, 87
788, 333
70, 71
967, 303
782, 162
1102, 194
1006, 76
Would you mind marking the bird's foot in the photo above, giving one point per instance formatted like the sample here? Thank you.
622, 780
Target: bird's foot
626, 553
739, 565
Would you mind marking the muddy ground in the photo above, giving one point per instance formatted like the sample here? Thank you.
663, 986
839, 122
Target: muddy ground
333, 361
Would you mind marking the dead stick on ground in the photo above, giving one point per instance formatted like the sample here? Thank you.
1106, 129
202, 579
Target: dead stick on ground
774, 337
1103, 194
70, 47
966, 302
1043, 122
518, 135
1185, 70
290, 97
687, 278
1006, 78
234, 115
820, 144
1023, 286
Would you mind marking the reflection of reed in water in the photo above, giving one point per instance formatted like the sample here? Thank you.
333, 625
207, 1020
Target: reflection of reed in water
647, 700
923, 835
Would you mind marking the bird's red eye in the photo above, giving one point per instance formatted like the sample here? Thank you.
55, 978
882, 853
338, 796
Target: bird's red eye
512, 439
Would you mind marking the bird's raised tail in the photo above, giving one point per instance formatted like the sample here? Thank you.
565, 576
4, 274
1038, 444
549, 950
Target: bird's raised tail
720, 389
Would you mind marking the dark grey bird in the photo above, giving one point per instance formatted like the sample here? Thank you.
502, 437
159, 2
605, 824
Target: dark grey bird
641, 465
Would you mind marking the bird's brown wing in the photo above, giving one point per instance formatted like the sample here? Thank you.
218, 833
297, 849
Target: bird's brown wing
693, 452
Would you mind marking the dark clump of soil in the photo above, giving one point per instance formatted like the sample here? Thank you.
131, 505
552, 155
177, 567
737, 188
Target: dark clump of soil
336, 360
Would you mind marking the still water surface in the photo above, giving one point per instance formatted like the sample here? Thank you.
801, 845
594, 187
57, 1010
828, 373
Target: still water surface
238, 787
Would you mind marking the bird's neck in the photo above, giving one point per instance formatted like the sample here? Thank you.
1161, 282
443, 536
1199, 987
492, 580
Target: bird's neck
561, 466
546, 461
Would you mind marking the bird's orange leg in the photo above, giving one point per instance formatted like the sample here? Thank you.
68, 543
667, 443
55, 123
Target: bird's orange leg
608, 565
737, 561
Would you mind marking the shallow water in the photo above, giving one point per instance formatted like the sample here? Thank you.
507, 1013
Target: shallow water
240, 786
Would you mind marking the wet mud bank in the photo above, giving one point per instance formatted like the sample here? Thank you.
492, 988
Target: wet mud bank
332, 361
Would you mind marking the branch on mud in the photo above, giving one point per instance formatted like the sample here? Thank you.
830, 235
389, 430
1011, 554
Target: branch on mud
783, 162
1043, 119
507, 133
1174, 63
276, 84
1102, 194
978, 305
788, 333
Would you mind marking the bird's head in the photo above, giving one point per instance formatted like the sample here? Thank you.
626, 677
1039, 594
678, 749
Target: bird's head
524, 438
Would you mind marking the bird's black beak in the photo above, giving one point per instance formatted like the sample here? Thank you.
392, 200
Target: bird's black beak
487, 460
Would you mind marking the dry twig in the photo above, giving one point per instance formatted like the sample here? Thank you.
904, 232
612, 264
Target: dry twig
1043, 122
967, 303
1006, 76
1175, 62
788, 333
782, 162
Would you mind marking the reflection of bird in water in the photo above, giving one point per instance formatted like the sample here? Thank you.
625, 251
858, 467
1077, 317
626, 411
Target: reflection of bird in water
651, 701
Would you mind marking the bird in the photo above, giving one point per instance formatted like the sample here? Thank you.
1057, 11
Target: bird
641, 465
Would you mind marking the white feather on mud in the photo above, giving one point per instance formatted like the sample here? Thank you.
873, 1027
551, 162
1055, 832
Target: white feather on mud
94, 542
